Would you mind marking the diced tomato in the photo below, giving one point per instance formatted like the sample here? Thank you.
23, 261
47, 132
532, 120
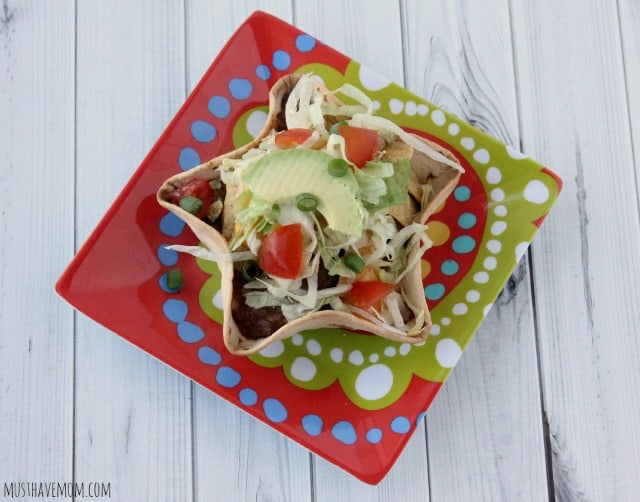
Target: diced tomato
292, 138
360, 144
197, 188
366, 294
281, 251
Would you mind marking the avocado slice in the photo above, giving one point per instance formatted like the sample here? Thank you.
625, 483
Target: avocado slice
284, 174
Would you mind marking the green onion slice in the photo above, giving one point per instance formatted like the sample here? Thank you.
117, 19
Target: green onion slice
306, 202
174, 279
191, 204
250, 270
338, 167
354, 262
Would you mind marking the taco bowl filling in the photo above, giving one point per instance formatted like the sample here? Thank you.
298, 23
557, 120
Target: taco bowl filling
325, 211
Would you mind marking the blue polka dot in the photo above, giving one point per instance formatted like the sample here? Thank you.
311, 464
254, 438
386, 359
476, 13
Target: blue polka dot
275, 410
171, 225
374, 436
449, 267
164, 286
463, 244
344, 432
168, 257
227, 377
209, 356
248, 397
219, 107
189, 332
305, 43
175, 310
312, 424
462, 193
421, 417
188, 158
203, 131
281, 60
434, 291
467, 221
263, 72
240, 88
401, 425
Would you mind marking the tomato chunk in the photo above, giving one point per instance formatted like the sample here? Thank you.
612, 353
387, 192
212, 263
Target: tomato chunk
292, 138
360, 144
280, 254
196, 188
366, 294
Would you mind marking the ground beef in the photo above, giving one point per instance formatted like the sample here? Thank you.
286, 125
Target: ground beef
324, 279
281, 122
253, 323
219, 193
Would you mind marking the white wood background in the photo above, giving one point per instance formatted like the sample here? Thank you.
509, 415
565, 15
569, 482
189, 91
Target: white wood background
544, 404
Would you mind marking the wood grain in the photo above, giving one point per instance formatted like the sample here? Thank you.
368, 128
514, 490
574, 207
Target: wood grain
485, 431
587, 259
133, 414
36, 236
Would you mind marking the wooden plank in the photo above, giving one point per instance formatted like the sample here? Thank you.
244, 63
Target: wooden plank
358, 35
629, 13
133, 414
36, 229
237, 457
587, 261
484, 431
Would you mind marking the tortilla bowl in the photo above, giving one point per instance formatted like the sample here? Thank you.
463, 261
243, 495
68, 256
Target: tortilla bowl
431, 181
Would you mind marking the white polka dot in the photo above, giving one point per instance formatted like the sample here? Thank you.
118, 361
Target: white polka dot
420, 344
473, 296
373, 358
297, 339
435, 329
314, 347
438, 117
273, 350
453, 129
404, 349
423, 109
481, 156
390, 351
374, 382
515, 154
493, 175
395, 105
497, 194
460, 308
375, 104
486, 309
500, 211
336, 355
255, 122
481, 277
372, 80
303, 369
536, 191
521, 249
410, 108
445, 321
217, 300
356, 358
467, 143
448, 352
498, 227
490, 263
494, 246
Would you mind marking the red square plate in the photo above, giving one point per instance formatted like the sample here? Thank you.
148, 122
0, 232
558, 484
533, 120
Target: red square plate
352, 399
